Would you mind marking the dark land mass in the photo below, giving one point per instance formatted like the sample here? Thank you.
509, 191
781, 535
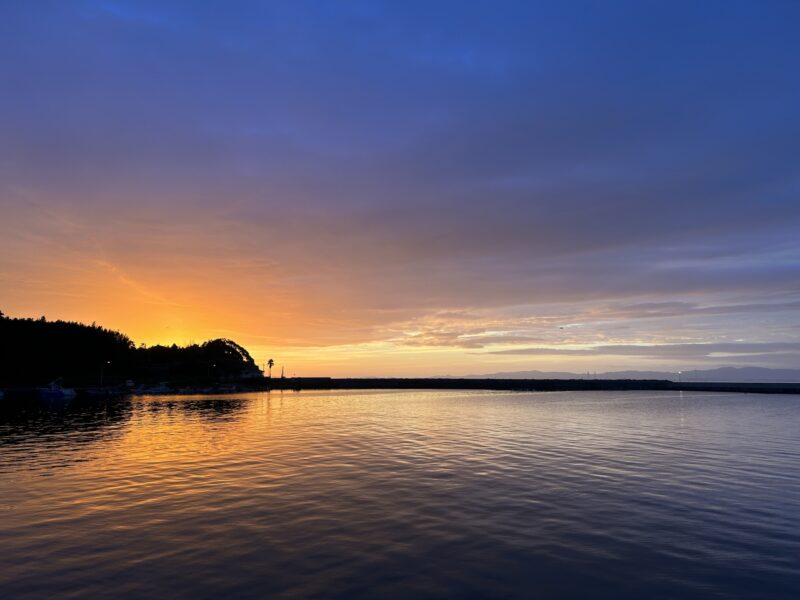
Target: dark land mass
518, 385
34, 352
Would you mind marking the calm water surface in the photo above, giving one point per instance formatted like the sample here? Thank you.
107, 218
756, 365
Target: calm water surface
402, 494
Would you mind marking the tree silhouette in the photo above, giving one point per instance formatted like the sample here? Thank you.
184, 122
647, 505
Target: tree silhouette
36, 351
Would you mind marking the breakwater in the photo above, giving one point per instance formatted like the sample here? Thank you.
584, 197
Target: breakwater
538, 385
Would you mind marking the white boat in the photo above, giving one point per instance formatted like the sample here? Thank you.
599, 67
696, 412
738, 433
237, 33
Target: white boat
54, 391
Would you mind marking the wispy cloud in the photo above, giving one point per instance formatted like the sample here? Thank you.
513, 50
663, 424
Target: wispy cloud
682, 351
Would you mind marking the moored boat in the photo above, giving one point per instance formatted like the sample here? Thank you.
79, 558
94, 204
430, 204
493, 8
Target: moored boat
54, 391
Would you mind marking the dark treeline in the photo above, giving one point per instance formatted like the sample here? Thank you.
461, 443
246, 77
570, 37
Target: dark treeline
36, 351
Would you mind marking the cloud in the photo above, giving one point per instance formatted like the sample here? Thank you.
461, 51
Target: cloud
428, 175
682, 351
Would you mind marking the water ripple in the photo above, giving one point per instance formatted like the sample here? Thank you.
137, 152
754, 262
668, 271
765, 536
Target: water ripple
401, 494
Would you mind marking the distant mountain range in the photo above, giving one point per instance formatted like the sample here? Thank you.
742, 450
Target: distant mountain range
722, 374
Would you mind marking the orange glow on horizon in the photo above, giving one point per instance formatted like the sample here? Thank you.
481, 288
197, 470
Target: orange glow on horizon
187, 281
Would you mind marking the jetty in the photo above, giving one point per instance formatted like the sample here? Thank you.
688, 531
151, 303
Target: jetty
529, 385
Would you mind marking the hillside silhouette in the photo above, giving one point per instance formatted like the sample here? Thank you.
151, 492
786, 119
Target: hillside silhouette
36, 351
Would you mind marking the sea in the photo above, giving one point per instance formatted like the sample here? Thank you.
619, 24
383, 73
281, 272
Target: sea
402, 494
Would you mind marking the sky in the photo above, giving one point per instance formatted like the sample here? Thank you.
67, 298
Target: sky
409, 188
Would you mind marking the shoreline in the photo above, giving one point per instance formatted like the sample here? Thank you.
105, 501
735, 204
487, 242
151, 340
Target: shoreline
538, 385
521, 385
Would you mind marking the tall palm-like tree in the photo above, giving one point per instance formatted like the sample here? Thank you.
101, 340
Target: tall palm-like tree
270, 364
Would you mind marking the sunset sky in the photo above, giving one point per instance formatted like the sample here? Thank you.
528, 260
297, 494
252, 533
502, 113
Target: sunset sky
409, 188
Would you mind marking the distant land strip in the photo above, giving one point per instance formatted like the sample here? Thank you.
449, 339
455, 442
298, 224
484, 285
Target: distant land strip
513, 385
537, 385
